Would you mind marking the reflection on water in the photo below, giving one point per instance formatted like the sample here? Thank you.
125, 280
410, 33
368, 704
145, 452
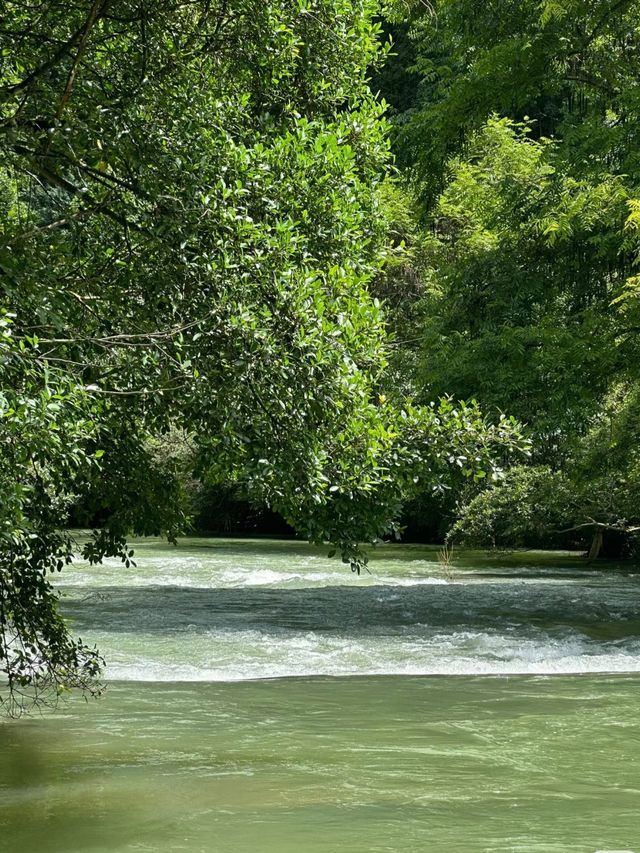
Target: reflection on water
187, 753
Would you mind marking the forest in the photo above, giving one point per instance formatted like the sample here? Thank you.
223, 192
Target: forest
364, 270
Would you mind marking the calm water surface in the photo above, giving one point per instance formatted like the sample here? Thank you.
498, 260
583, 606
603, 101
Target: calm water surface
264, 699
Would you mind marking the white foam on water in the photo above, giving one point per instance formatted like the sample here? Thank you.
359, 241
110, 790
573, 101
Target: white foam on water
193, 573
247, 655
225, 615
152, 671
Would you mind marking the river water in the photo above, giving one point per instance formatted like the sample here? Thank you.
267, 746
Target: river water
263, 698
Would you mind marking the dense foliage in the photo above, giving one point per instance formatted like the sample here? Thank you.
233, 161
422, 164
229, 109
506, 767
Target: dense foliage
190, 221
519, 150
218, 290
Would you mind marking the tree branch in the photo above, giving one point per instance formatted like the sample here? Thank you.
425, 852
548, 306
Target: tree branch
96, 9
599, 525
53, 60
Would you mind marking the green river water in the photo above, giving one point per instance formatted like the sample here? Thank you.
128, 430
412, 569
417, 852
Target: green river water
261, 698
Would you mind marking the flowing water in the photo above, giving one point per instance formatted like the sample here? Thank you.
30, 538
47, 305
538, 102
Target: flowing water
262, 698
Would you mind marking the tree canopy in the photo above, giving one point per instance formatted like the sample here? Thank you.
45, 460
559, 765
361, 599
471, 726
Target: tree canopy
518, 150
191, 220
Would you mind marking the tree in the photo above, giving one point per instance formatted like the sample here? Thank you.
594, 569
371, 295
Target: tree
192, 220
570, 67
520, 148
524, 263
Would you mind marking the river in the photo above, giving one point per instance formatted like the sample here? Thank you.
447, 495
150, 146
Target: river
262, 698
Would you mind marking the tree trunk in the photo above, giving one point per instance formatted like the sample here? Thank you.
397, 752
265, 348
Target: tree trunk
596, 545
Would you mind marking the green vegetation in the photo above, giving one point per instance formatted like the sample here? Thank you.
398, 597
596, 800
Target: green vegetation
518, 150
191, 219
256, 252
